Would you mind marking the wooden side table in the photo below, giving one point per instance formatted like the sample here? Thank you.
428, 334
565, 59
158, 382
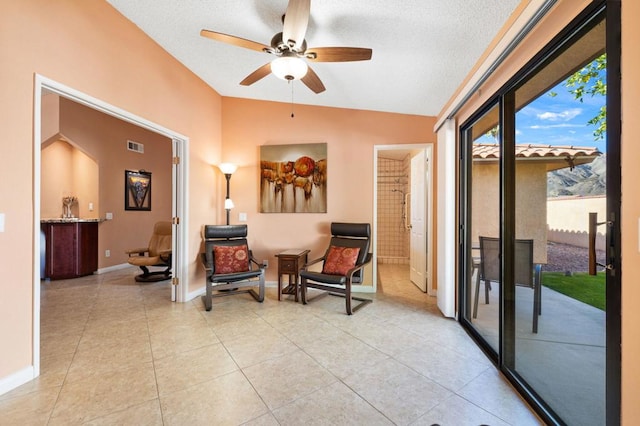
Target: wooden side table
290, 262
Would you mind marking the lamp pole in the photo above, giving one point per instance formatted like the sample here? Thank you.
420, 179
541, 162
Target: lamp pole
227, 199
228, 169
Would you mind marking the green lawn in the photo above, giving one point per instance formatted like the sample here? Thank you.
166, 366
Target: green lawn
581, 286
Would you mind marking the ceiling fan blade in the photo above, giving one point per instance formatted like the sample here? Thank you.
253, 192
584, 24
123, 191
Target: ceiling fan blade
312, 81
296, 20
338, 54
258, 74
236, 41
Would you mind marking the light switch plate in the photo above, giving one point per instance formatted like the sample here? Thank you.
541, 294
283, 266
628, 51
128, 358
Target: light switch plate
1, 222
242, 217
109, 216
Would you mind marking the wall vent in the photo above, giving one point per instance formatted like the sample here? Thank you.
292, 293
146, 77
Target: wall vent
135, 146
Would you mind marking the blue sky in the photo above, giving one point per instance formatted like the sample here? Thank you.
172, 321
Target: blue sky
559, 120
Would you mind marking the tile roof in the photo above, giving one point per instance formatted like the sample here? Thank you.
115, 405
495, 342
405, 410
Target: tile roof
573, 155
489, 151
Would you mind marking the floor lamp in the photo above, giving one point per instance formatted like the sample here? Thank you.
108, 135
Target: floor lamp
228, 169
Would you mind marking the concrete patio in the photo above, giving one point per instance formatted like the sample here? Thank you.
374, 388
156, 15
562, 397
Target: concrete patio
565, 361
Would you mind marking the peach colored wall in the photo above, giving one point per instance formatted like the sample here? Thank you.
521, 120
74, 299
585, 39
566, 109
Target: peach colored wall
86, 185
66, 171
56, 178
104, 138
531, 207
568, 220
88, 46
50, 125
630, 213
350, 136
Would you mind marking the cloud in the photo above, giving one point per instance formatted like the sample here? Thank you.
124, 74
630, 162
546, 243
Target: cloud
565, 115
556, 126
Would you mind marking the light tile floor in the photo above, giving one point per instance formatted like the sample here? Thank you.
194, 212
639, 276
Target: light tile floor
115, 352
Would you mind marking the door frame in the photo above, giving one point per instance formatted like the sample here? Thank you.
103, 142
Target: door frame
428, 148
613, 296
179, 192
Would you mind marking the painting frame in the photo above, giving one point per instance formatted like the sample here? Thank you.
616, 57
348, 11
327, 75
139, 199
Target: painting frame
293, 178
137, 190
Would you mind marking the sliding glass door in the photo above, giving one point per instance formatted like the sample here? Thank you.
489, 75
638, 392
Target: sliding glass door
537, 223
483, 149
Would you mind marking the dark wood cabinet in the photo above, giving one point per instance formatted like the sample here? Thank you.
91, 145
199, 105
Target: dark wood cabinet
71, 249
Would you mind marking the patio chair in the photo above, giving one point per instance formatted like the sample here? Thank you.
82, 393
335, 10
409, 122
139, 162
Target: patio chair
229, 264
527, 274
343, 264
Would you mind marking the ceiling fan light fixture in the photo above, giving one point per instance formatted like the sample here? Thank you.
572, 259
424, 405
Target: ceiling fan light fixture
289, 67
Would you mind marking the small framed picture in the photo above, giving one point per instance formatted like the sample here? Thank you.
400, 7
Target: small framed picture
137, 190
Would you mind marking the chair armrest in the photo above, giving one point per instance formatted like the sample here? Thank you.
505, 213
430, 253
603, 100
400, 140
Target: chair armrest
312, 262
359, 266
254, 260
138, 251
203, 261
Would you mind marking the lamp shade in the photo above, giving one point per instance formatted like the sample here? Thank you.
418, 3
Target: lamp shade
228, 204
227, 168
289, 67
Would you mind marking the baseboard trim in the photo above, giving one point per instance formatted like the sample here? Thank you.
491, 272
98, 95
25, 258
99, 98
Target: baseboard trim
16, 379
113, 268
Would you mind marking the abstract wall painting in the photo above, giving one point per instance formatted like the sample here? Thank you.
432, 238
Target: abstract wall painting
293, 178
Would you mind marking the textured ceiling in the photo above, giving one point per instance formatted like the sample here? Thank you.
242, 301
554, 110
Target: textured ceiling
422, 49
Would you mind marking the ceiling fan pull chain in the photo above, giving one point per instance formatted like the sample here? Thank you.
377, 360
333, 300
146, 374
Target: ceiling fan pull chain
291, 83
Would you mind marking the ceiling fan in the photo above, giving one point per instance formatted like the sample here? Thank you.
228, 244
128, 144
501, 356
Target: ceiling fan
290, 49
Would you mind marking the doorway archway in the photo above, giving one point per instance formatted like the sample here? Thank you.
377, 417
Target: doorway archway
179, 211
399, 184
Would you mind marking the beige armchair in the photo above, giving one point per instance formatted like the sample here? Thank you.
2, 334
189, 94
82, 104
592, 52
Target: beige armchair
157, 253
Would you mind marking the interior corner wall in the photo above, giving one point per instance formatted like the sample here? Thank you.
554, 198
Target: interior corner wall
67, 171
90, 47
350, 136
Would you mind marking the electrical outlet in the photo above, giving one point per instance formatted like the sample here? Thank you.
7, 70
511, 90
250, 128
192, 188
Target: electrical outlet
107, 253
265, 263
108, 216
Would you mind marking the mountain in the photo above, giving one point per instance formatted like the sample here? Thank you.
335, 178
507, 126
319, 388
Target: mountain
583, 180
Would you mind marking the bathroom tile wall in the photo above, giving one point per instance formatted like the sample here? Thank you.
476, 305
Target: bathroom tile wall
393, 237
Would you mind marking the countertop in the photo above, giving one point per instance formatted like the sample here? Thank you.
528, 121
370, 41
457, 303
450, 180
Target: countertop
70, 220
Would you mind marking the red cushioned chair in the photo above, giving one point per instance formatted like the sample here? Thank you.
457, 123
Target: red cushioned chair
343, 264
229, 263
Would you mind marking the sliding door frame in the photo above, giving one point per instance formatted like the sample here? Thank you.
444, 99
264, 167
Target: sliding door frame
505, 97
